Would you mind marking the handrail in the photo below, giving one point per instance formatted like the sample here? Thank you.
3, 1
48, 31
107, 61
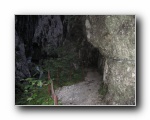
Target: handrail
51, 89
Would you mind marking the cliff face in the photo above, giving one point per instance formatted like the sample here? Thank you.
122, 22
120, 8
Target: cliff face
76, 32
24, 32
114, 36
36, 38
21, 66
47, 37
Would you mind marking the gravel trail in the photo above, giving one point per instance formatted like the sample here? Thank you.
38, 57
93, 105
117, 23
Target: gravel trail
83, 93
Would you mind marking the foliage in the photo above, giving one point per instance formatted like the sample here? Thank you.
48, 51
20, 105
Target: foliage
62, 69
35, 93
62, 72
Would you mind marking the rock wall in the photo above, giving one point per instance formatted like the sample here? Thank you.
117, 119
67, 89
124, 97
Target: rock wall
114, 36
21, 66
24, 31
76, 32
36, 38
48, 35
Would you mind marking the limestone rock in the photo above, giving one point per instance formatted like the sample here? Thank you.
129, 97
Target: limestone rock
48, 33
114, 36
119, 75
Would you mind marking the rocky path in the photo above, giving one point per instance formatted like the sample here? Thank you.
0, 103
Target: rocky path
83, 93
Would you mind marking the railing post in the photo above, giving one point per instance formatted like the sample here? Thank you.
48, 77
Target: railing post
49, 86
51, 89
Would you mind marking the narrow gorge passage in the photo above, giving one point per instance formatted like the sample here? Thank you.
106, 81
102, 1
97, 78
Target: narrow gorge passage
83, 93
64, 45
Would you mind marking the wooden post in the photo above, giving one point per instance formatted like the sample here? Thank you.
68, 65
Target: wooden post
55, 100
51, 90
49, 86
58, 70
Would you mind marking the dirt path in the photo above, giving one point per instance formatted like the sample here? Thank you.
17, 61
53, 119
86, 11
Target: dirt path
83, 93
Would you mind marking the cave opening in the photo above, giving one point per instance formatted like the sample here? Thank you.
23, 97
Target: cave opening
94, 58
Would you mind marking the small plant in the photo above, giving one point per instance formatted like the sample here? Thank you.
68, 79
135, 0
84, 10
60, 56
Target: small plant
35, 93
62, 71
103, 89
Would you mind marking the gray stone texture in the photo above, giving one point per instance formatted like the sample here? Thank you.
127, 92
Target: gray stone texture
48, 33
21, 66
114, 36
